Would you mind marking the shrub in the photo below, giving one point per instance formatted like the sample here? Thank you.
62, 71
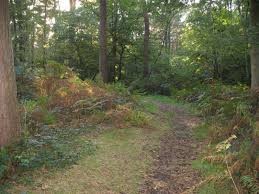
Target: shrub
137, 118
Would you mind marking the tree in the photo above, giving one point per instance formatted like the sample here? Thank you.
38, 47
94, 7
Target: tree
103, 63
9, 119
44, 38
114, 35
254, 52
146, 44
72, 4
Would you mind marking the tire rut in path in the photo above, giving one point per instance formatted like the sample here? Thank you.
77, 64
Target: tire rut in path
172, 171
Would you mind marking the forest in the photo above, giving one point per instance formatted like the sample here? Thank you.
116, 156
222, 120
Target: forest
129, 96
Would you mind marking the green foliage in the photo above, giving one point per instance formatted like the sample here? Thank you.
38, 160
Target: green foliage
215, 188
4, 162
118, 88
218, 184
202, 131
227, 110
52, 148
138, 118
30, 105
250, 184
208, 169
42, 101
57, 70
49, 118
215, 35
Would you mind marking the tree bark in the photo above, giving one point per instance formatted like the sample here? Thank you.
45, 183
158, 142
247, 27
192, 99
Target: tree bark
9, 117
254, 52
103, 63
114, 42
44, 55
146, 72
72, 5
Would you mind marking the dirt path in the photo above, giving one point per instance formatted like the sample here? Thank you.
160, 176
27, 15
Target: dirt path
172, 172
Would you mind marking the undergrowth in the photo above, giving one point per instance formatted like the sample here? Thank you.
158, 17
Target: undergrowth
230, 129
59, 120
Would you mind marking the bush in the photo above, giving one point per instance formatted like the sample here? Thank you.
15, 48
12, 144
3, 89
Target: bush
137, 118
4, 162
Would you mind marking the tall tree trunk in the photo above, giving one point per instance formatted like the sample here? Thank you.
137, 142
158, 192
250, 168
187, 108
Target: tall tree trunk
254, 52
103, 63
9, 117
146, 45
72, 4
71, 29
44, 55
33, 29
114, 42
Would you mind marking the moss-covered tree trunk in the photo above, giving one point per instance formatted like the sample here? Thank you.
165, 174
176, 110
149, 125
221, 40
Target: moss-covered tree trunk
9, 117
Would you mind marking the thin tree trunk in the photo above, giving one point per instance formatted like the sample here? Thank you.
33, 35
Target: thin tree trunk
103, 64
120, 62
71, 34
32, 45
254, 52
146, 45
9, 117
44, 56
114, 42
114, 59
33, 37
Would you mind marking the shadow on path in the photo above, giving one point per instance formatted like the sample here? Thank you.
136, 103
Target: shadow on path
172, 171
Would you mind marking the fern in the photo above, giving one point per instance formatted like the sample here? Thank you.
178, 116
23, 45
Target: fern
250, 184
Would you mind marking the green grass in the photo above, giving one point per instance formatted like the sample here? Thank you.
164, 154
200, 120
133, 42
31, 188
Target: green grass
207, 168
138, 118
224, 186
213, 188
117, 165
202, 131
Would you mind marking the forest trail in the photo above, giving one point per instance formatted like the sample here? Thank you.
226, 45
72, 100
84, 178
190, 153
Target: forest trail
172, 172
134, 160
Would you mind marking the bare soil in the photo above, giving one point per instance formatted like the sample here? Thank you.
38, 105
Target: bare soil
172, 171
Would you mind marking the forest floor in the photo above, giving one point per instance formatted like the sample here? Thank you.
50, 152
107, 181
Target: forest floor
172, 171
156, 159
